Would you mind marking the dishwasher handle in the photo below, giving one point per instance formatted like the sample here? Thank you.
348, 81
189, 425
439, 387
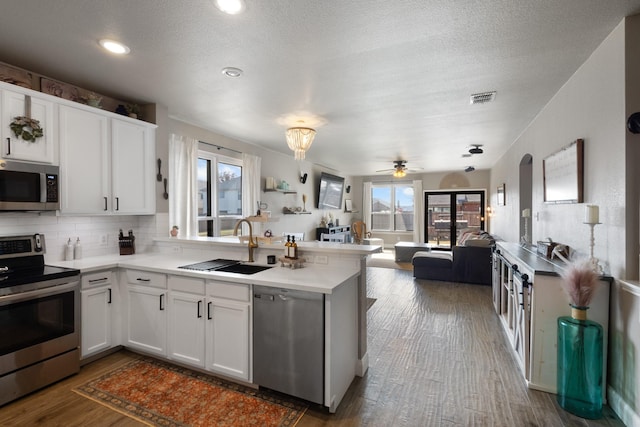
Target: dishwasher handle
265, 297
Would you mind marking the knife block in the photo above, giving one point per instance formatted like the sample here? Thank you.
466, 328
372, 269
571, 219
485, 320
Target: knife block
127, 245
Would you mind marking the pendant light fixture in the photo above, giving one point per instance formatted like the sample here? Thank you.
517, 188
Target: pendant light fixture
299, 140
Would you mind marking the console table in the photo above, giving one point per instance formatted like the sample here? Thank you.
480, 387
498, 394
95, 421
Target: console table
340, 233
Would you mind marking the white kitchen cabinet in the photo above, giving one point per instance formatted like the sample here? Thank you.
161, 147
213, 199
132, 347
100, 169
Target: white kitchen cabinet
44, 149
133, 175
186, 320
146, 321
85, 161
228, 329
99, 299
106, 163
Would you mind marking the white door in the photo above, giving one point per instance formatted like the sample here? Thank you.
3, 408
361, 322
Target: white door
186, 328
84, 161
133, 168
147, 319
96, 320
42, 149
228, 338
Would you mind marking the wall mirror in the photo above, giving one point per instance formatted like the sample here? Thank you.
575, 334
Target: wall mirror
563, 174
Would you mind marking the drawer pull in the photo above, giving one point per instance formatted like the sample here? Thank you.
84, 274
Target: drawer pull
102, 279
140, 279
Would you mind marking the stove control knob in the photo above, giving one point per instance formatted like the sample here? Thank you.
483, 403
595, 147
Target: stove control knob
37, 242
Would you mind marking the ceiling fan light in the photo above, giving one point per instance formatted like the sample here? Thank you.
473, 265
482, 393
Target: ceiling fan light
399, 173
231, 7
476, 150
299, 139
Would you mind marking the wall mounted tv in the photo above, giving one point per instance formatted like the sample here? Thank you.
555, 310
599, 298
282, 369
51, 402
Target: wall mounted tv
330, 193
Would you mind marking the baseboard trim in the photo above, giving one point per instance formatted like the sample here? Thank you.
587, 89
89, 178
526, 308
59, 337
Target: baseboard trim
622, 409
363, 365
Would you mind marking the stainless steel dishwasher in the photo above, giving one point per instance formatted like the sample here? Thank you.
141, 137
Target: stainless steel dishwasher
288, 341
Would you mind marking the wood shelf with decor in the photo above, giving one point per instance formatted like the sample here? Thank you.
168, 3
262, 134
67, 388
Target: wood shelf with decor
277, 190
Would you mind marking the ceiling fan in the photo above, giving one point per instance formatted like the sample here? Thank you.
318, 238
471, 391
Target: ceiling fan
399, 169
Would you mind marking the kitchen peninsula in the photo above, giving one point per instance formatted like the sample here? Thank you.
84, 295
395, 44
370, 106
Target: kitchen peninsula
156, 302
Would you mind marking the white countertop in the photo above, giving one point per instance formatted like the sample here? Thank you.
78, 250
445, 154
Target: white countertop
311, 277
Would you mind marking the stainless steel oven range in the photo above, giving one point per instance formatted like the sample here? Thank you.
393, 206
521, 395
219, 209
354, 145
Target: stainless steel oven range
39, 318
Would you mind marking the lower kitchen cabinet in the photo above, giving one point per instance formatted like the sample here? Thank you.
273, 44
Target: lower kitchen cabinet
146, 320
228, 338
210, 329
186, 321
100, 322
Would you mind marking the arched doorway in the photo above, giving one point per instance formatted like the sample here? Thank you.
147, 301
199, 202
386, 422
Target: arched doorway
525, 191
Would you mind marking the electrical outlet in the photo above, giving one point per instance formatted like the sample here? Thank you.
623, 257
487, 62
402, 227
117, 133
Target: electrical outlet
322, 259
104, 240
177, 249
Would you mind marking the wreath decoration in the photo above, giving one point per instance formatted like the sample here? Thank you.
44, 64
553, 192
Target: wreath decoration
26, 128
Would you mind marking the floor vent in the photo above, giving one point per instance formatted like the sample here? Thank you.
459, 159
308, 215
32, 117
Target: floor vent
483, 98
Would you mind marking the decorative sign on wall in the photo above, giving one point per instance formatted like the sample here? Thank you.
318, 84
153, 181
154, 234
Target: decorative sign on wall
563, 174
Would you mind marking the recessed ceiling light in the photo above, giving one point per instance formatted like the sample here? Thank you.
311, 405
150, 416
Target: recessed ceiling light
114, 47
232, 7
232, 71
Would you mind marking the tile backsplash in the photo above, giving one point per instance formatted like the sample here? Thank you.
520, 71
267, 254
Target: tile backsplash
90, 229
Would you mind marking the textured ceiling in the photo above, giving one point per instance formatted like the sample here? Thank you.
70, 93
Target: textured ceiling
389, 80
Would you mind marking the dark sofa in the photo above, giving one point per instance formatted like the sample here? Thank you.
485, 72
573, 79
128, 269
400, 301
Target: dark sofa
467, 264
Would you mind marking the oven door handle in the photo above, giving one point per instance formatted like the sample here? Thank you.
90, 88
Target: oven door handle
37, 293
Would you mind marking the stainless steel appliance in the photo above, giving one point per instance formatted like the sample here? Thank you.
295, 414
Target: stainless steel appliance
28, 186
39, 318
288, 341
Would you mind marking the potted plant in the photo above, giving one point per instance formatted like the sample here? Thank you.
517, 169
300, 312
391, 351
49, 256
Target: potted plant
133, 110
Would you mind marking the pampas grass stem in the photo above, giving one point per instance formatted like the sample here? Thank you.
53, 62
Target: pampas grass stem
580, 283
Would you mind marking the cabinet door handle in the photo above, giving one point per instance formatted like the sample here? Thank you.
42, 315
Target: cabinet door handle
8, 146
117, 203
161, 302
109, 301
105, 203
209, 311
199, 309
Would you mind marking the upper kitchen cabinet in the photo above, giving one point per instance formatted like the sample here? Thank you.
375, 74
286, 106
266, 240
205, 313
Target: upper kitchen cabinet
21, 104
107, 163
133, 162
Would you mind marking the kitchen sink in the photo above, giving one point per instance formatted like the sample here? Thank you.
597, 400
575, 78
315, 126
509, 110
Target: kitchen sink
243, 268
226, 266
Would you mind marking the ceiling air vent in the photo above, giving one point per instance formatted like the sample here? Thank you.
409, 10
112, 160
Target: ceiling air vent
482, 98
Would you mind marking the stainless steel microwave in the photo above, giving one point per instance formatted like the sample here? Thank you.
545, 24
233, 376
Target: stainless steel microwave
28, 186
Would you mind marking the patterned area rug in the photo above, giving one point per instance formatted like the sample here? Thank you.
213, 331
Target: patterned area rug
160, 394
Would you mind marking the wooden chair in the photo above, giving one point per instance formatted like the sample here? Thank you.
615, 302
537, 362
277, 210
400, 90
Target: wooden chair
359, 230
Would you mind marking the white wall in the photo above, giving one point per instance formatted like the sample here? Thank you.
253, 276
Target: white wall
592, 105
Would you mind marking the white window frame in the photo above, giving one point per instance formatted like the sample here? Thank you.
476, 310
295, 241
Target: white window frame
392, 186
215, 159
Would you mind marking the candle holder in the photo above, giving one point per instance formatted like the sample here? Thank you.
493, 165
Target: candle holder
595, 264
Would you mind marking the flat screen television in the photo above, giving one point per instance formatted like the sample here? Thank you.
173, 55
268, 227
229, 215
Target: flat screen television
330, 193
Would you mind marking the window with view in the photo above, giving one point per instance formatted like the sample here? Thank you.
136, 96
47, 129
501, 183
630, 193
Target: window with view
392, 207
219, 194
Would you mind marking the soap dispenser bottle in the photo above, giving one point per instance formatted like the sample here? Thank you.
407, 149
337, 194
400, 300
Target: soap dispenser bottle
68, 251
77, 250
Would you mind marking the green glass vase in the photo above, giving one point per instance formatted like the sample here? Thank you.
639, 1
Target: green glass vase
580, 364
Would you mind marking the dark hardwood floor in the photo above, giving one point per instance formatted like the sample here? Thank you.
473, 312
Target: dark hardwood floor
437, 357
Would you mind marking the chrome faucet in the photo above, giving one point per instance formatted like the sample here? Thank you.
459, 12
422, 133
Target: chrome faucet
252, 244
